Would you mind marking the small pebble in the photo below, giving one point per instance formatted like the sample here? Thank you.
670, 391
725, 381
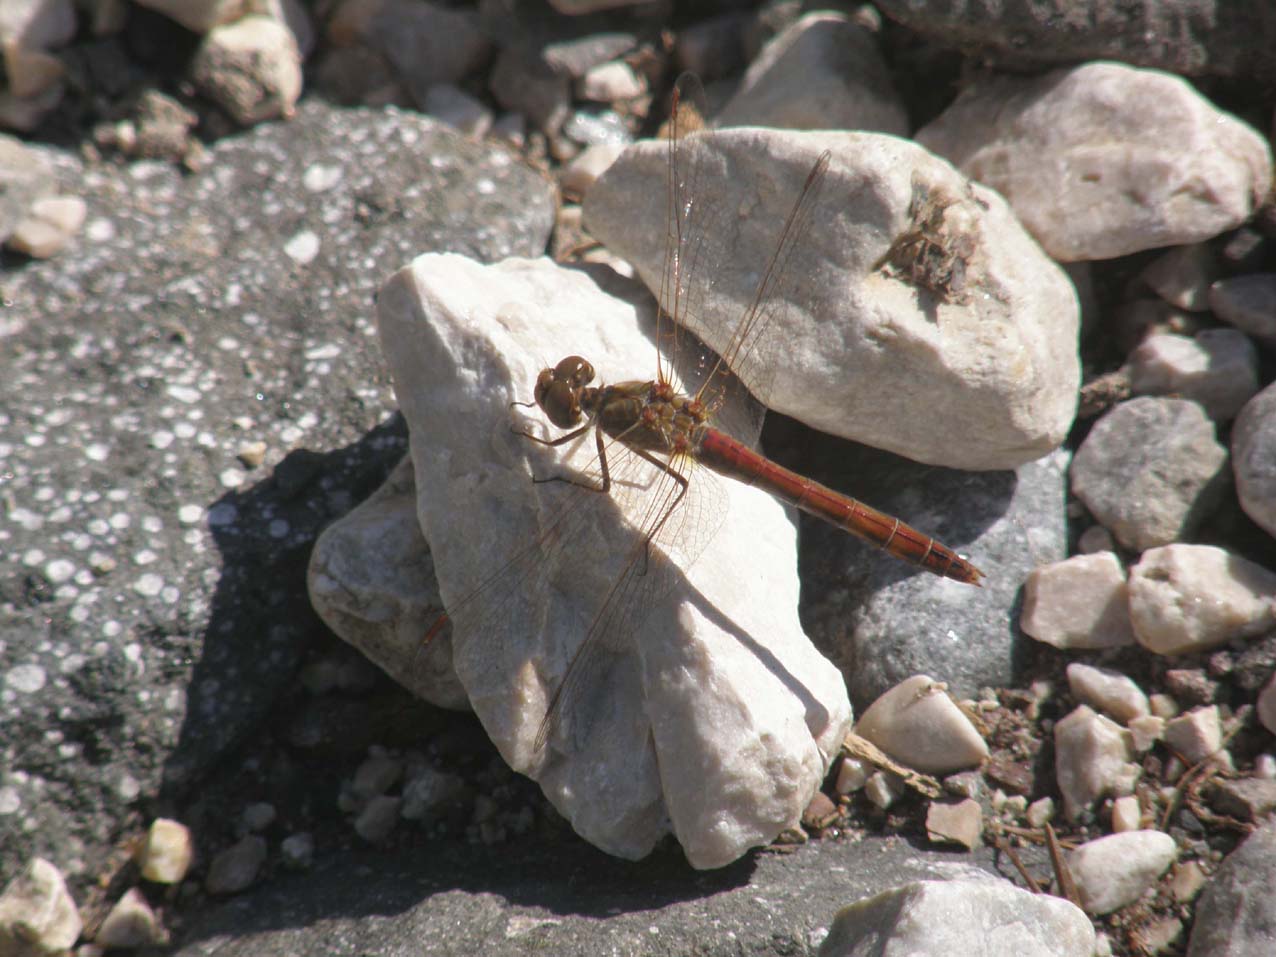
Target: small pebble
165, 856
957, 823
235, 868
1115, 871
130, 924
1108, 691
378, 818
917, 724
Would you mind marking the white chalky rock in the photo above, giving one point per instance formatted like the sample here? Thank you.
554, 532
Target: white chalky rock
918, 725
1195, 734
371, 579
1114, 871
1102, 160
973, 366
165, 856
1187, 598
705, 711
1217, 368
131, 923
960, 917
251, 68
37, 913
1092, 759
1078, 603
1111, 692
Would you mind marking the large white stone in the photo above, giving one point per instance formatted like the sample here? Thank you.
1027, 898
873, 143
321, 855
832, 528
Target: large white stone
707, 712
1103, 159
980, 372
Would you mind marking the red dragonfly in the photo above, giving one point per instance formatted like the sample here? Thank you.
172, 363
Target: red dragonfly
651, 421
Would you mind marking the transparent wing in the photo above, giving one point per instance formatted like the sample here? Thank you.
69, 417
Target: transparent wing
694, 233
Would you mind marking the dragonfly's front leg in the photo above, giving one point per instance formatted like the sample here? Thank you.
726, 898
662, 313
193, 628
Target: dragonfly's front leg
563, 440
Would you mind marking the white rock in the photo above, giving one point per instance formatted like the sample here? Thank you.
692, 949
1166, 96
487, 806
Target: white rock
1126, 815
1195, 734
822, 72
1092, 760
579, 175
371, 581
200, 16
851, 775
1078, 603
1249, 303
37, 912
609, 82
1217, 368
235, 868
961, 822
1114, 871
1102, 160
50, 224
1040, 812
1186, 598
1182, 276
1108, 691
1146, 731
131, 923
679, 722
251, 68
1266, 705
960, 916
983, 376
165, 856
37, 24
1254, 459
883, 789
917, 724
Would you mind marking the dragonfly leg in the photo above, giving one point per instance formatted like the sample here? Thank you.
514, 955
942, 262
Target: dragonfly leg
605, 487
677, 477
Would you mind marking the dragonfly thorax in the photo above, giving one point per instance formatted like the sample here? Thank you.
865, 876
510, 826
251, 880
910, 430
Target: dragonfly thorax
559, 390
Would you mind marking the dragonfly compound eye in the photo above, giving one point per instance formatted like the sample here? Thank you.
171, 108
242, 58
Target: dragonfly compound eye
575, 371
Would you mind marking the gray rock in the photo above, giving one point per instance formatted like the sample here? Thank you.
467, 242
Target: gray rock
1236, 914
1217, 368
1183, 36
154, 594
821, 73
1249, 303
505, 901
1254, 459
882, 621
1150, 470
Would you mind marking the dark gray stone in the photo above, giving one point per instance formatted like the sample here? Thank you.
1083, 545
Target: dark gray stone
152, 596
881, 620
1236, 915
1234, 38
566, 899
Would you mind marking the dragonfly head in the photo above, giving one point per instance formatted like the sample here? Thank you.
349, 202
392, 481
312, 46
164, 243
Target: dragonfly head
558, 390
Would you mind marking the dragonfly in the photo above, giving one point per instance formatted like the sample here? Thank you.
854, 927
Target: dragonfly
676, 435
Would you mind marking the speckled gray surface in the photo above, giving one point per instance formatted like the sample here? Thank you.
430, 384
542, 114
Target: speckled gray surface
152, 596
